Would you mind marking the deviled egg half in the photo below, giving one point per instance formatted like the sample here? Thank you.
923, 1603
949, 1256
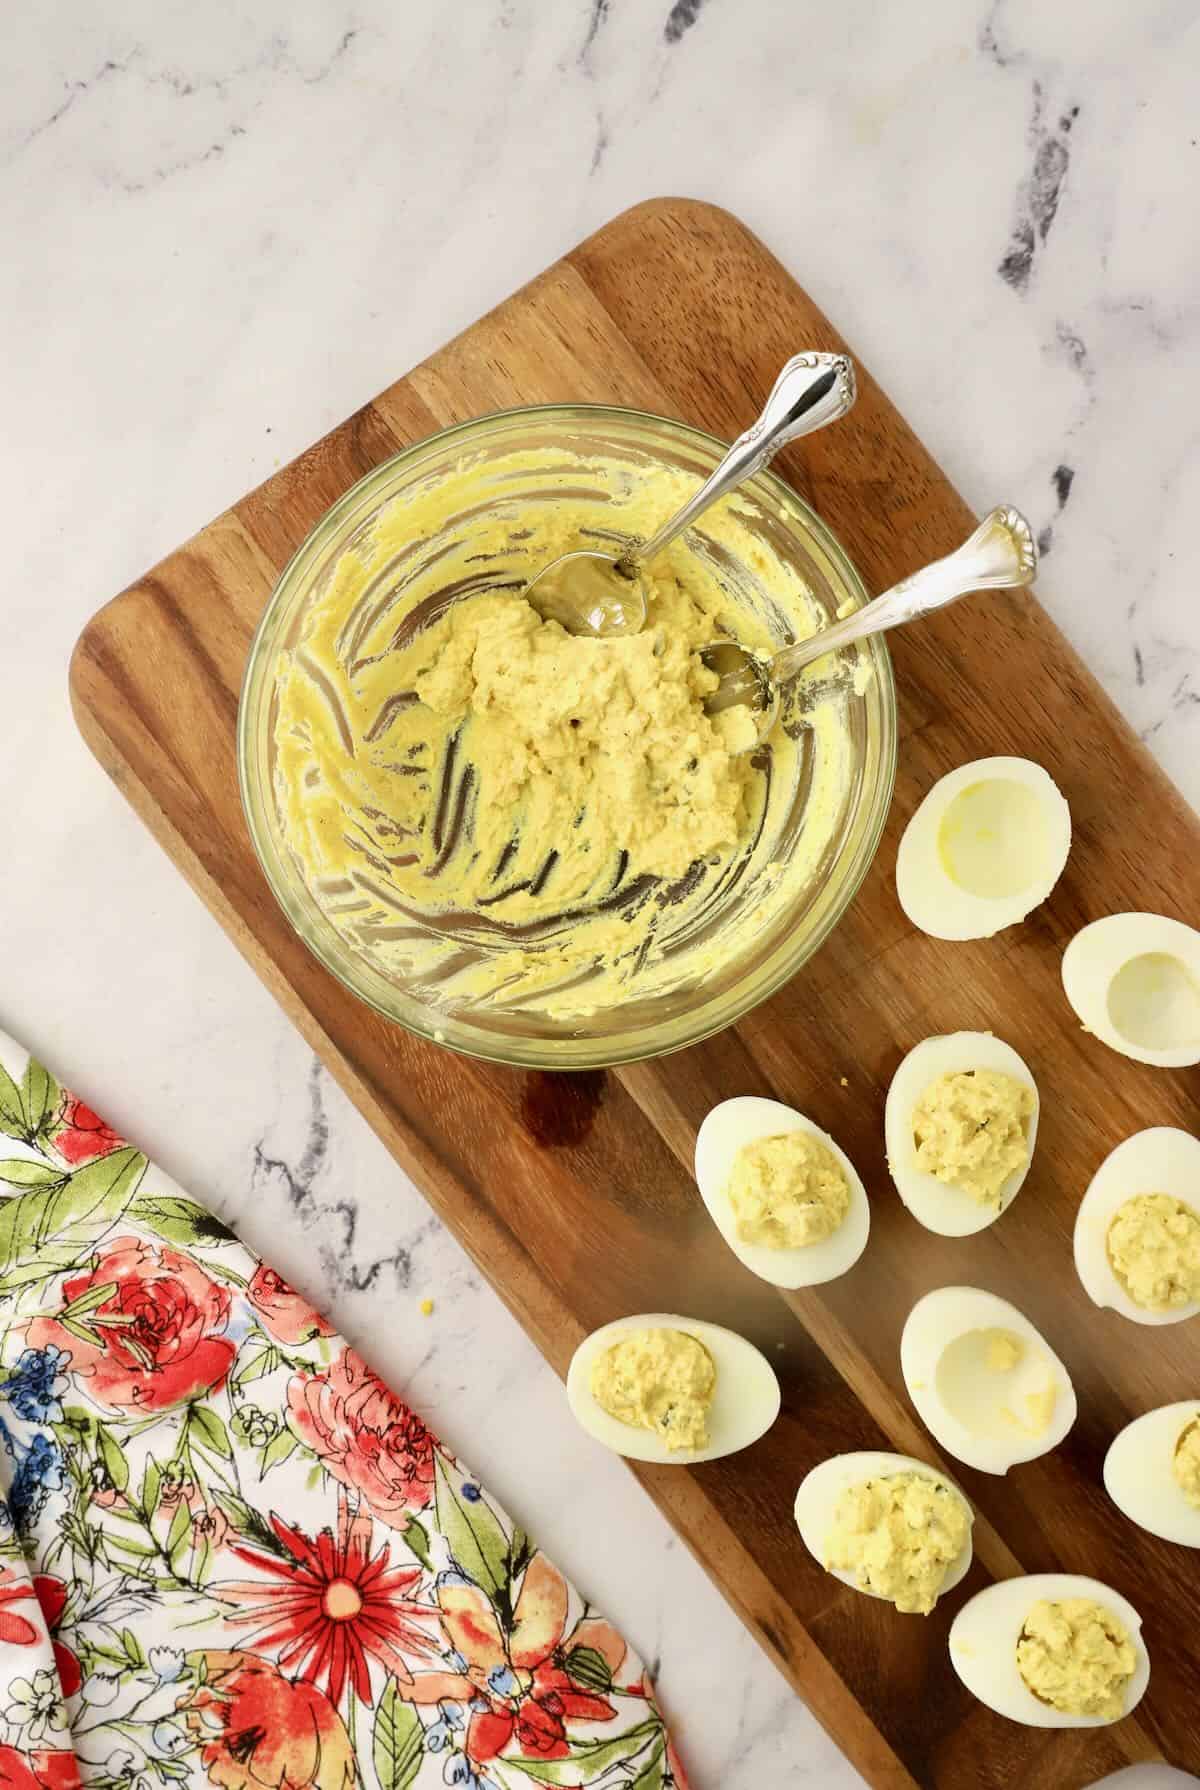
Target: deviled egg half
887, 1524
1152, 1472
787, 1200
1134, 981
985, 1382
671, 1389
1137, 1231
960, 1125
985, 847
1052, 1650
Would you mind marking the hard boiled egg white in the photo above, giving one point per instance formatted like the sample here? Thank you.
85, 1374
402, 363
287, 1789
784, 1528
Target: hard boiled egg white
933, 1203
1138, 1474
820, 1490
745, 1402
1161, 1160
984, 1636
1134, 981
742, 1121
984, 848
981, 1410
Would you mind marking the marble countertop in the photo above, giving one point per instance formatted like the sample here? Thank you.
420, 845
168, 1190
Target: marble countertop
225, 228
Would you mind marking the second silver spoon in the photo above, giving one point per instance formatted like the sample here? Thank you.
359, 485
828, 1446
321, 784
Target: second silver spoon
1000, 555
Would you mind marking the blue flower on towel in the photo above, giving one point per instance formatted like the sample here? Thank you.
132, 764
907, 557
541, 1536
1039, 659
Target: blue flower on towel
39, 1472
502, 1681
36, 1384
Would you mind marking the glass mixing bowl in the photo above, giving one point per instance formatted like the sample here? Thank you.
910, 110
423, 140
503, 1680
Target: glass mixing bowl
769, 950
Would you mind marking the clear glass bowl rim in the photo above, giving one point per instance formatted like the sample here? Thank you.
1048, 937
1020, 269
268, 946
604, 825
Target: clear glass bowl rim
561, 1051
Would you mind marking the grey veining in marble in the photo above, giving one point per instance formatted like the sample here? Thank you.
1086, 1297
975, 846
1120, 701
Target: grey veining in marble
225, 227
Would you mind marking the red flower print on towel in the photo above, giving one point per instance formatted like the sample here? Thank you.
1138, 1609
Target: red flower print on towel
178, 1489
211, 1526
366, 1436
82, 1135
46, 1768
257, 1728
158, 1333
332, 1604
52, 1596
527, 1681
16, 1629
283, 1312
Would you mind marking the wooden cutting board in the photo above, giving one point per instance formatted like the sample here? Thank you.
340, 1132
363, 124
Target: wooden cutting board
574, 1194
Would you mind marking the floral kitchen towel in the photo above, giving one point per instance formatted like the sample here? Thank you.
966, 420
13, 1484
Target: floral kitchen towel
229, 1555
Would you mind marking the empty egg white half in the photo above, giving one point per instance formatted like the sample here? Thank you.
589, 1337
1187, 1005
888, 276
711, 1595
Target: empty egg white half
817, 1499
743, 1121
984, 1636
1161, 1160
985, 847
936, 1205
987, 1415
1138, 1474
1134, 982
745, 1402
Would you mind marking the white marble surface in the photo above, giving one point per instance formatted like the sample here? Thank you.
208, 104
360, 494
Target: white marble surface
224, 227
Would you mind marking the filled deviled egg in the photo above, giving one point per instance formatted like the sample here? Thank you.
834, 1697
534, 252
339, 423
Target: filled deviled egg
787, 1200
1052, 1650
985, 847
886, 1524
1134, 982
1152, 1472
960, 1125
985, 1382
1137, 1231
671, 1389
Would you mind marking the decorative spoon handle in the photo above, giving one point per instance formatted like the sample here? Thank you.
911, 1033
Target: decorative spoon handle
1000, 555
813, 389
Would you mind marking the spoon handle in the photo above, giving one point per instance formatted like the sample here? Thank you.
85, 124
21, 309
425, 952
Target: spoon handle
813, 389
1000, 555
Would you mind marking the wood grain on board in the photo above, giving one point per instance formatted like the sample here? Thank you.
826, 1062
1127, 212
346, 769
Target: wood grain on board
574, 1195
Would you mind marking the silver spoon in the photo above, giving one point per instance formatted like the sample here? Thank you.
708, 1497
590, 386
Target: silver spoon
1000, 555
593, 593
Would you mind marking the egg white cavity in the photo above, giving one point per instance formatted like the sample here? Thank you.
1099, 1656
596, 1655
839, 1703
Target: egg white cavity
980, 1416
939, 1207
1134, 982
984, 848
743, 1120
983, 1646
1139, 1479
1160, 1160
820, 1490
746, 1395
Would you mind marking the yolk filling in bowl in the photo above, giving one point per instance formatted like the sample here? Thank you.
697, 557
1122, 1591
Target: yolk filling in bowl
469, 862
482, 802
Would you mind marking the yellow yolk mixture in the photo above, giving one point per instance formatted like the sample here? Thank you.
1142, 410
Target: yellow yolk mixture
1186, 1462
898, 1536
971, 1130
1004, 1351
1154, 1251
1004, 1354
1040, 1409
659, 1380
498, 812
1076, 1656
787, 1191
